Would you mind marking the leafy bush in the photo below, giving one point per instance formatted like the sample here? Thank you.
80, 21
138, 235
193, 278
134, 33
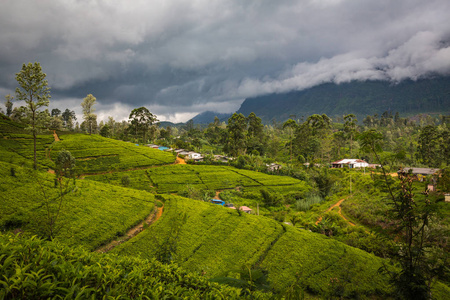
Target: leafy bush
33, 269
305, 204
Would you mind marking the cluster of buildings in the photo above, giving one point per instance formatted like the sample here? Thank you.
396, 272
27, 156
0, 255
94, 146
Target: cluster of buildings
245, 209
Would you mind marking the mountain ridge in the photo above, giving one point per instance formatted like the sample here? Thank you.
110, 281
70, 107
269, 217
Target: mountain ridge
361, 98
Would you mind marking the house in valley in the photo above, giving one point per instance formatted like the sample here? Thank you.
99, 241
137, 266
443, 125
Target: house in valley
195, 156
245, 209
273, 167
420, 173
350, 163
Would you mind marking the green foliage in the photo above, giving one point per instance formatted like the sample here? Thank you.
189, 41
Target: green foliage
65, 163
324, 181
141, 121
237, 127
216, 242
34, 90
175, 178
434, 146
93, 213
89, 117
97, 154
125, 180
305, 204
33, 269
271, 199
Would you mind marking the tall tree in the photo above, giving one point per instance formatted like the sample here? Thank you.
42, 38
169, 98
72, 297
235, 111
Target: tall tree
141, 120
34, 90
56, 112
214, 132
350, 129
291, 125
256, 141
69, 117
433, 145
237, 126
9, 104
309, 136
88, 112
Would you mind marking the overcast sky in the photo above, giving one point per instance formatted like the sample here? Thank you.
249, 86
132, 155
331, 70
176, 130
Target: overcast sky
182, 57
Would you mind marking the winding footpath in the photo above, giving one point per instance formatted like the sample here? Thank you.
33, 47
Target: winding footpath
152, 218
338, 204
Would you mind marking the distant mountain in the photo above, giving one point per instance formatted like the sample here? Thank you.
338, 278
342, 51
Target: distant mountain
361, 98
208, 117
164, 124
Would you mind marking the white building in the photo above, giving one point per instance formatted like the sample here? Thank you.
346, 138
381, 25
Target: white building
350, 163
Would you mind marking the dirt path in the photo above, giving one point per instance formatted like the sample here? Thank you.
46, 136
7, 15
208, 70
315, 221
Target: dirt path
55, 136
338, 204
153, 217
180, 161
50, 150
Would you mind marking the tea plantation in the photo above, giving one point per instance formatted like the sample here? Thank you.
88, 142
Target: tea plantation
216, 241
92, 213
94, 154
185, 254
175, 178
34, 269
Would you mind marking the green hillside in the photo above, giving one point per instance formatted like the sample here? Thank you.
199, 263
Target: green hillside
94, 153
98, 154
216, 241
92, 213
175, 178
16, 145
34, 269
361, 98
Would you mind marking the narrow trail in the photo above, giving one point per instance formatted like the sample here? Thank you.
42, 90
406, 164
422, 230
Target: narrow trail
180, 161
217, 194
153, 217
338, 204
55, 136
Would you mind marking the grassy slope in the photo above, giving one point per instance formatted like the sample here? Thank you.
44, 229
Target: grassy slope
217, 241
33, 269
16, 145
175, 178
98, 154
93, 153
93, 213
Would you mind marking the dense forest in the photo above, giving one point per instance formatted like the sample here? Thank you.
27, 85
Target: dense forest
361, 98
289, 227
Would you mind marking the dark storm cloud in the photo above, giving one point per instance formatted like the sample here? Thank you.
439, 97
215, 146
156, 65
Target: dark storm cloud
179, 58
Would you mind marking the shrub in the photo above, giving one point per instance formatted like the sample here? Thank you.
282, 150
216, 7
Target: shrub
305, 204
125, 180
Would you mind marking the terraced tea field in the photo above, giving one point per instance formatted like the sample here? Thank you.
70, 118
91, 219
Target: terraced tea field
216, 241
175, 178
92, 213
16, 145
96, 154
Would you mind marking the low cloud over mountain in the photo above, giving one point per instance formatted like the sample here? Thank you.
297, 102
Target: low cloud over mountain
179, 58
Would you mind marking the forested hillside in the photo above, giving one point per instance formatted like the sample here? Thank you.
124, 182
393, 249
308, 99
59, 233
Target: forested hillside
357, 97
